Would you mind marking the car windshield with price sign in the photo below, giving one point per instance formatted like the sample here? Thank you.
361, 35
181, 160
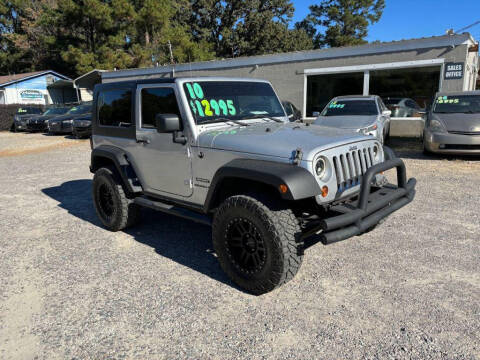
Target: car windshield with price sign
457, 104
222, 101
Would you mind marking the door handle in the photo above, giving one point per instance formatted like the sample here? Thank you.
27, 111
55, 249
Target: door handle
143, 141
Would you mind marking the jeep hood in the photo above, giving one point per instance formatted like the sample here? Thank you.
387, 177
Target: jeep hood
459, 122
278, 140
347, 122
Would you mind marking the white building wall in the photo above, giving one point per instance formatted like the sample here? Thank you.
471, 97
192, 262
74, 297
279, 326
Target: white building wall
13, 95
86, 94
30, 91
471, 71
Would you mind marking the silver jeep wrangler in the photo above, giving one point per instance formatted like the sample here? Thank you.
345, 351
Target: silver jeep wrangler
221, 151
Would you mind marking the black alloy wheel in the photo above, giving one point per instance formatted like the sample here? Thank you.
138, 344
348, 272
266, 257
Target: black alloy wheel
245, 246
113, 207
105, 201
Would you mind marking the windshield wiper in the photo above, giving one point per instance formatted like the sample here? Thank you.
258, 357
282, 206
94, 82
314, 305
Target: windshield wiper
239, 123
263, 117
213, 121
222, 120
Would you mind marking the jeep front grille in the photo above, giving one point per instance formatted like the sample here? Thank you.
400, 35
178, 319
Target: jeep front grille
351, 166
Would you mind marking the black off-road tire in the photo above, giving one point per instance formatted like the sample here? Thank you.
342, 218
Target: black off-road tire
120, 212
280, 236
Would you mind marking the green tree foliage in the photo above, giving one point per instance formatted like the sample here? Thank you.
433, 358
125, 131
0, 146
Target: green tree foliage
345, 21
76, 36
19, 41
246, 27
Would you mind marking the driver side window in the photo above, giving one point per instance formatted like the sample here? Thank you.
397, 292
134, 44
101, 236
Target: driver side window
157, 101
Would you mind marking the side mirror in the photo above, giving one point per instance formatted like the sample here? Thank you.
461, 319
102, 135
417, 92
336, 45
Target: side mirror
315, 114
167, 123
387, 112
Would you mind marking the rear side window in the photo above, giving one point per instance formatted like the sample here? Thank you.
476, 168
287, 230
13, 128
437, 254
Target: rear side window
157, 101
115, 108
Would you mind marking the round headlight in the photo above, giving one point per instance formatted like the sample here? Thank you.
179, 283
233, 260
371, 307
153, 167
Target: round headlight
320, 167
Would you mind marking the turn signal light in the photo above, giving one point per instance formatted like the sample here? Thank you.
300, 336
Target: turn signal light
283, 188
324, 191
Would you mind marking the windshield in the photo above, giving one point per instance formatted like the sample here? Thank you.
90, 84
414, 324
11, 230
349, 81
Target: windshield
457, 104
219, 101
80, 109
28, 110
55, 111
350, 107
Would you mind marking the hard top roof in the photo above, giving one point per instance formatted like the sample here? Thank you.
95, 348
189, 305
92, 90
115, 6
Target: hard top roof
171, 80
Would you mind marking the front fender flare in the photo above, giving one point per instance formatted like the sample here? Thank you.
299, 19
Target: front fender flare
300, 182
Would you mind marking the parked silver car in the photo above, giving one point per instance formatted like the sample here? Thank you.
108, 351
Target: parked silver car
403, 107
453, 124
364, 114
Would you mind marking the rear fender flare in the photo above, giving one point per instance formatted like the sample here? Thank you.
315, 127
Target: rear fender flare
119, 159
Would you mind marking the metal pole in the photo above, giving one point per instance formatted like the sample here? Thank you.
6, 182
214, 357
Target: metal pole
170, 50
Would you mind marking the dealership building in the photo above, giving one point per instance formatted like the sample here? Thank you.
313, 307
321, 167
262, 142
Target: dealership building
39, 87
413, 69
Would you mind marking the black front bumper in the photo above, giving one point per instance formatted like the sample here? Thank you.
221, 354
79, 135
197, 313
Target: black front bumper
59, 127
40, 126
82, 131
372, 205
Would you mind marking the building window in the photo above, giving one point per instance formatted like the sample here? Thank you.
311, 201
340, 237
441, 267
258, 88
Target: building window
406, 91
157, 101
322, 88
115, 108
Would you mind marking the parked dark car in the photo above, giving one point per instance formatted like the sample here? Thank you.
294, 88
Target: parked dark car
82, 126
403, 107
39, 123
453, 124
293, 113
23, 114
64, 124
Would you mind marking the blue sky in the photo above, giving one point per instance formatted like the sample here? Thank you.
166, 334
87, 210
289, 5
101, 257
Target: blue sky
406, 19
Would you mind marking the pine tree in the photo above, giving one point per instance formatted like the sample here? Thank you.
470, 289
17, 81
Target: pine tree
346, 21
242, 28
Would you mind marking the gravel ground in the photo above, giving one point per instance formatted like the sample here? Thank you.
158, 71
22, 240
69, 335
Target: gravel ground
70, 289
